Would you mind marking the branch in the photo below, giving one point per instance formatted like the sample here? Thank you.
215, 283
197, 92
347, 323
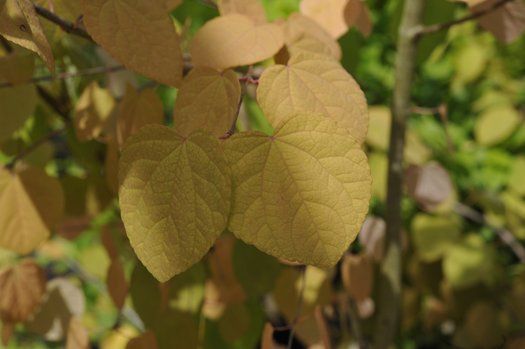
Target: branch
389, 297
68, 27
422, 30
505, 236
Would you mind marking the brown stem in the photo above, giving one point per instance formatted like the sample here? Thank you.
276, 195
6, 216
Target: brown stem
389, 285
505, 236
422, 30
66, 26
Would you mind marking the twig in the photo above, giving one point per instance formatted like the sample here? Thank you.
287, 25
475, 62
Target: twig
505, 236
65, 25
298, 309
389, 297
422, 30
355, 324
231, 131
33, 147
53, 103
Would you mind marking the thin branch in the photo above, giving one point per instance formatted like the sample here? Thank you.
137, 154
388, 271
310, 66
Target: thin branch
53, 103
422, 30
299, 308
504, 235
21, 155
355, 324
68, 27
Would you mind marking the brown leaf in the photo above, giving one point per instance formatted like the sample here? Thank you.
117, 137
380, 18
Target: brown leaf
372, 237
117, 284
328, 13
507, 22
145, 341
358, 276
77, 335
357, 14
429, 185
267, 337
21, 289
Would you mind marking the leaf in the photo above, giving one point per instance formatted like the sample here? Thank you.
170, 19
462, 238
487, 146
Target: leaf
516, 182
234, 40
17, 68
171, 4
18, 103
496, 124
138, 109
372, 237
313, 86
235, 322
116, 282
311, 180
252, 9
358, 276
207, 100
92, 112
62, 301
145, 295
323, 327
433, 236
304, 36
357, 14
267, 337
19, 23
379, 128
430, 186
507, 22
186, 290
31, 203
146, 340
379, 169
77, 335
138, 34
174, 197
329, 14
21, 289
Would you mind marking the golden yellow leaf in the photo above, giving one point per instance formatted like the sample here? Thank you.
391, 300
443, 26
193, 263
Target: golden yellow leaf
139, 34
174, 197
92, 112
77, 335
311, 85
116, 282
207, 100
312, 182
19, 23
328, 13
31, 203
21, 289
304, 35
234, 40
18, 103
138, 109
250, 8
17, 68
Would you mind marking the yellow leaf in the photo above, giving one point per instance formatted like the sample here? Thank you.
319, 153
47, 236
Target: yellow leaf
329, 14
304, 35
77, 335
313, 86
207, 100
21, 289
139, 34
174, 197
379, 168
234, 40
117, 284
16, 68
92, 111
138, 109
301, 194
250, 8
19, 23
18, 103
496, 124
31, 204
433, 236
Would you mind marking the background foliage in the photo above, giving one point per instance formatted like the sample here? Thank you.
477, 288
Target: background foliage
464, 212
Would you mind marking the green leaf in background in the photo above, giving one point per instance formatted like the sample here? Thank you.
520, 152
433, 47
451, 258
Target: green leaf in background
433, 235
496, 124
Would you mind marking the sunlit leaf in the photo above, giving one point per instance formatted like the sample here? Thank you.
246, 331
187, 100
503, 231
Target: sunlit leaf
207, 100
77, 335
433, 236
496, 124
234, 40
329, 14
174, 197
19, 23
138, 34
313, 86
31, 203
250, 8
312, 181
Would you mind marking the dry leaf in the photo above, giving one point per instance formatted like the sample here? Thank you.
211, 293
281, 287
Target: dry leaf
116, 282
21, 290
357, 14
234, 40
19, 23
267, 337
147, 340
77, 335
358, 276
372, 237
429, 185
507, 22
